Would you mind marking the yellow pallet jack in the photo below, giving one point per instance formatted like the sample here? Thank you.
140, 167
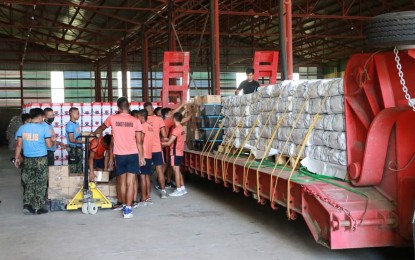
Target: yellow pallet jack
89, 198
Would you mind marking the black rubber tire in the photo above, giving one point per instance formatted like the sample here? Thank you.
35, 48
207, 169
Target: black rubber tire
391, 29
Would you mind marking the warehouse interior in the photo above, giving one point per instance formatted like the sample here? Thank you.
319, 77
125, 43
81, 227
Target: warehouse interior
88, 51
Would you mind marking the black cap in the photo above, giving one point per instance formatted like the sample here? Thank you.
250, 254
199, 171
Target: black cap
121, 101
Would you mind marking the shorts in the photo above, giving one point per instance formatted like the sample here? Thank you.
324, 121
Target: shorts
147, 169
128, 163
99, 163
157, 159
176, 160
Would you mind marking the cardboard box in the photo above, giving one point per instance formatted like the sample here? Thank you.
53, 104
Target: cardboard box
72, 192
212, 99
58, 181
57, 193
76, 180
104, 188
58, 171
199, 100
102, 176
113, 189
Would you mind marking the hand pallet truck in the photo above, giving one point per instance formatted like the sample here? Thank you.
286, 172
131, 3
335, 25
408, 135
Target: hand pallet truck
89, 198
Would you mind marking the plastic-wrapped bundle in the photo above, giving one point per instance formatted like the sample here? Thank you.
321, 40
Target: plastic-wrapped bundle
276, 90
312, 91
334, 122
286, 148
235, 101
327, 154
338, 157
338, 122
242, 133
263, 118
334, 105
275, 144
265, 92
336, 140
266, 105
334, 88
321, 88
298, 136
315, 106
300, 105
226, 111
226, 102
317, 137
304, 120
300, 88
287, 89
320, 153
247, 99
283, 133
284, 105
262, 143
14, 125
305, 152
275, 118
242, 111
267, 131
242, 122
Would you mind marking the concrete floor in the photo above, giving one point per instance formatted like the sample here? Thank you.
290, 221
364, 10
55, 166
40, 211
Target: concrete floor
210, 222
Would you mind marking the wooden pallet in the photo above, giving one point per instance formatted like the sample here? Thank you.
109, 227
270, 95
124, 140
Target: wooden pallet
282, 160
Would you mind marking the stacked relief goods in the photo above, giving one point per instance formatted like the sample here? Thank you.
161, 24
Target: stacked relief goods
208, 118
281, 115
92, 115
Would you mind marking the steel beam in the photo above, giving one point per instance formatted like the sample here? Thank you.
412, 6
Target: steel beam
214, 29
124, 68
145, 66
98, 83
289, 37
109, 79
21, 85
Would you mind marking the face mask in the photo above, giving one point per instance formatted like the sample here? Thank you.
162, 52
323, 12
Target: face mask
50, 120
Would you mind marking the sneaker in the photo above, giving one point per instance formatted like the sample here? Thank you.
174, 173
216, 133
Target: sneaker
27, 210
163, 194
168, 185
176, 193
173, 184
41, 211
149, 201
142, 204
157, 187
118, 206
127, 212
184, 191
135, 204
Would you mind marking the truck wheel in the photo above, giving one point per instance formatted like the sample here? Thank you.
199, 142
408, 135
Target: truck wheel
391, 29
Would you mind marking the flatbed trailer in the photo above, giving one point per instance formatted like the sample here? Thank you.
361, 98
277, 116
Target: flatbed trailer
337, 217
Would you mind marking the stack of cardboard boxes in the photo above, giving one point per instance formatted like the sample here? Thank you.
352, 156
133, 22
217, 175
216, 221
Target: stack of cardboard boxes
64, 186
205, 123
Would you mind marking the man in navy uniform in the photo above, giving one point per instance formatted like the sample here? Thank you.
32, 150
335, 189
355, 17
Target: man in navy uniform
34, 138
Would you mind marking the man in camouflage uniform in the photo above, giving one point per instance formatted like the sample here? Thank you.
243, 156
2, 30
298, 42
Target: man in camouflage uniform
34, 138
73, 131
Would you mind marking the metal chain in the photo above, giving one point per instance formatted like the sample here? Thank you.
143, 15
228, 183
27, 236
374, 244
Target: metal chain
333, 204
402, 80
